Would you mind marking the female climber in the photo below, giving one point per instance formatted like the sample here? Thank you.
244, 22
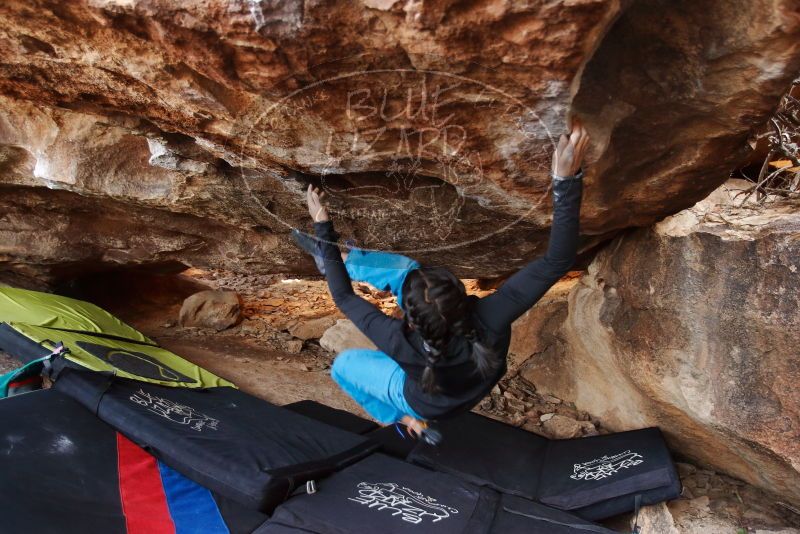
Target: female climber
450, 348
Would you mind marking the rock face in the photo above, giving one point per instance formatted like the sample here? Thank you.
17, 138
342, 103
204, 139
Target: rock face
144, 132
312, 328
535, 332
213, 309
692, 325
344, 335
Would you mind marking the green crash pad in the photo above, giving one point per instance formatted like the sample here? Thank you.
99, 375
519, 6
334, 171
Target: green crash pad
33, 323
53, 311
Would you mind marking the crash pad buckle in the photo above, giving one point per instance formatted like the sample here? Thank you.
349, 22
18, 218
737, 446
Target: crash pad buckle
311, 487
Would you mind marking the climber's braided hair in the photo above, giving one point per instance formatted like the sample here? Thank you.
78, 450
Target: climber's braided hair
436, 306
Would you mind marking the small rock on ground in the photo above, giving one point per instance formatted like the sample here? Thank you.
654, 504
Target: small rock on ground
561, 427
344, 335
312, 328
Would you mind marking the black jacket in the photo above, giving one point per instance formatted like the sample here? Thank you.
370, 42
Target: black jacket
461, 386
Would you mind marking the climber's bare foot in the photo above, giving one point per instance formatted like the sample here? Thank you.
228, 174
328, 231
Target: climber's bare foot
414, 426
420, 430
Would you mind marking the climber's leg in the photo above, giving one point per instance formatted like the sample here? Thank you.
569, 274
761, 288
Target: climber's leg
375, 381
384, 270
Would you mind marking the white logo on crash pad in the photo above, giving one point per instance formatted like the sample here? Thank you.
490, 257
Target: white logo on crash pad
606, 466
410, 505
177, 413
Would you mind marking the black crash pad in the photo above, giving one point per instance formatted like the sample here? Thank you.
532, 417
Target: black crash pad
486, 452
233, 443
332, 416
386, 495
393, 440
593, 477
60, 474
515, 515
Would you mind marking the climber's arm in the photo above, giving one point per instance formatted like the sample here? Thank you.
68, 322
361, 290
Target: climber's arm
527, 286
376, 325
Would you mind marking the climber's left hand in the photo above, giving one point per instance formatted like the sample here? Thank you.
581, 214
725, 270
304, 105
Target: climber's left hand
316, 208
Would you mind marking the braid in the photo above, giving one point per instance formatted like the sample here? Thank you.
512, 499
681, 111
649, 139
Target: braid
436, 306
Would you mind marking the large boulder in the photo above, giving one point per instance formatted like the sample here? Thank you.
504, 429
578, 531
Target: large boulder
213, 309
692, 325
148, 132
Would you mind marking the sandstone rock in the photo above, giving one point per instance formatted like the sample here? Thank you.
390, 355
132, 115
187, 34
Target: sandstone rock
140, 132
696, 516
7, 363
532, 426
535, 331
312, 328
292, 346
657, 519
692, 324
737, 508
213, 309
551, 399
560, 427
684, 469
253, 328
344, 335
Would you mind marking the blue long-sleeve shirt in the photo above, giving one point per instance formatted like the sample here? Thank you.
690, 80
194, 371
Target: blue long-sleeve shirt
461, 386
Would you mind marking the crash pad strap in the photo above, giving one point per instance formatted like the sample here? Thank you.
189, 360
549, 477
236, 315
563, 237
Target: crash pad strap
576, 526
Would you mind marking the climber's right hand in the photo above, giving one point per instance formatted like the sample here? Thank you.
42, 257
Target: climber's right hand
570, 151
316, 208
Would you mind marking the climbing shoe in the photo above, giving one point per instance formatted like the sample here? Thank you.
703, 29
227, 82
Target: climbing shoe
429, 435
311, 245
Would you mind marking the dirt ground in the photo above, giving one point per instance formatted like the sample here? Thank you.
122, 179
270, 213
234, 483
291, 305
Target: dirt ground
7, 363
278, 377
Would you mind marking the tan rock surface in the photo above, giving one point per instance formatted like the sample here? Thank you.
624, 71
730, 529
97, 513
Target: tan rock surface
312, 328
148, 132
692, 326
344, 335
